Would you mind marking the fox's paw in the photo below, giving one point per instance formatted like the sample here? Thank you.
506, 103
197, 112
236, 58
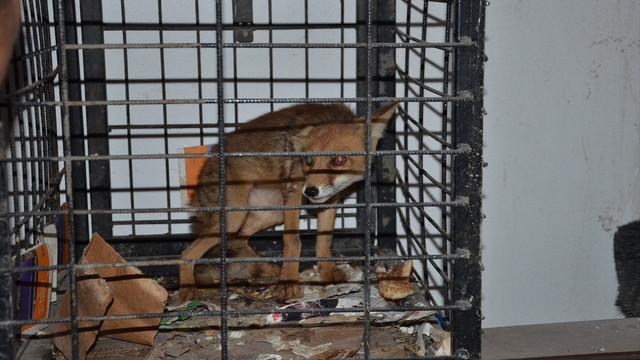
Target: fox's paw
188, 293
268, 274
338, 276
268, 270
289, 291
330, 274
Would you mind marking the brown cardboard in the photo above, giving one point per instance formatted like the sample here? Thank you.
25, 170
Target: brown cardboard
122, 290
94, 297
133, 293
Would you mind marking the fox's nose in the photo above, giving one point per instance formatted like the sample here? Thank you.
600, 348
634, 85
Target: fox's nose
311, 191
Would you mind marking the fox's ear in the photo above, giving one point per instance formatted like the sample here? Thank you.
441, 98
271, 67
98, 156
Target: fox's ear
379, 120
299, 140
385, 113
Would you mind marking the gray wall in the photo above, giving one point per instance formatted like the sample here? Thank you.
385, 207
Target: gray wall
562, 140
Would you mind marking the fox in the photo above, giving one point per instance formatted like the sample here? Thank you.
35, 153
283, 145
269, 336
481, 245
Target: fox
280, 181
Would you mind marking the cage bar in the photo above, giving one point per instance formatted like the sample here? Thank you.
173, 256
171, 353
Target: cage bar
104, 96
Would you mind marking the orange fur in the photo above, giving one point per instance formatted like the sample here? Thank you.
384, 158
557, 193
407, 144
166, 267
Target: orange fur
268, 181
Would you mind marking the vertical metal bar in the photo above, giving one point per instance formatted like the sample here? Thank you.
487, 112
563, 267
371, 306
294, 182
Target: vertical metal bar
444, 163
221, 163
8, 346
342, 78
127, 91
23, 120
468, 176
49, 147
199, 57
385, 85
76, 140
165, 120
30, 169
65, 10
421, 145
271, 63
361, 85
239, 16
368, 211
41, 175
306, 49
405, 130
22, 176
342, 52
13, 113
97, 124
13, 166
236, 92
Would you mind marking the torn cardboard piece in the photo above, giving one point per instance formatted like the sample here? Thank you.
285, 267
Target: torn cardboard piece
129, 291
94, 297
133, 293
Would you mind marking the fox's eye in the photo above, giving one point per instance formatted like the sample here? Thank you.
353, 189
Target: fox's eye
308, 160
340, 160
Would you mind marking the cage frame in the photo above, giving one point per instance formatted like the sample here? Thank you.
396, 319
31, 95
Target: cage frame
468, 108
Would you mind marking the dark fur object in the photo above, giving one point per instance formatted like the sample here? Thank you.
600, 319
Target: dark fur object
626, 250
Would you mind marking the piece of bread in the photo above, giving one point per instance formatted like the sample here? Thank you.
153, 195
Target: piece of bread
395, 284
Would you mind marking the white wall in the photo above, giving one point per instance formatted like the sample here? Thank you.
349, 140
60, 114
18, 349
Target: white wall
562, 140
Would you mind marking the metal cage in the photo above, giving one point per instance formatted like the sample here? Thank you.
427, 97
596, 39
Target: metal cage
103, 94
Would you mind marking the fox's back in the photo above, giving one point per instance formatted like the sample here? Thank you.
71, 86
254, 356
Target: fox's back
268, 132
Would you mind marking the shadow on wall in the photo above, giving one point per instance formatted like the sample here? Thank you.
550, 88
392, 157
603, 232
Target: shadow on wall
626, 250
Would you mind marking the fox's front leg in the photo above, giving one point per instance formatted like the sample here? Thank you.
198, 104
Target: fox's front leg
206, 239
288, 286
324, 239
199, 247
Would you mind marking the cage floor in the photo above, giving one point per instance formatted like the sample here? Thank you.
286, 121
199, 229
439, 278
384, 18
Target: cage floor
280, 343
265, 331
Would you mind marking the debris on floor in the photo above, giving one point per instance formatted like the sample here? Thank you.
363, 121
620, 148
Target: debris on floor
327, 322
394, 285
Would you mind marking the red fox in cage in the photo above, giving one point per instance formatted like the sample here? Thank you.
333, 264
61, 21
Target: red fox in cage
275, 181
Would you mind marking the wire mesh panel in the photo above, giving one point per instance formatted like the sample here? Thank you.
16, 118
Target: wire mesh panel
141, 85
29, 174
181, 76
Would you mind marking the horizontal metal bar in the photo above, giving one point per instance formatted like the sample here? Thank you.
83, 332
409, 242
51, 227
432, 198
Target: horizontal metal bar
463, 97
47, 78
229, 260
212, 26
149, 222
420, 44
460, 150
461, 306
34, 53
456, 203
238, 80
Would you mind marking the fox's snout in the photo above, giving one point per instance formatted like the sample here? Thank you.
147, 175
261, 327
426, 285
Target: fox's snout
319, 189
318, 194
311, 192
